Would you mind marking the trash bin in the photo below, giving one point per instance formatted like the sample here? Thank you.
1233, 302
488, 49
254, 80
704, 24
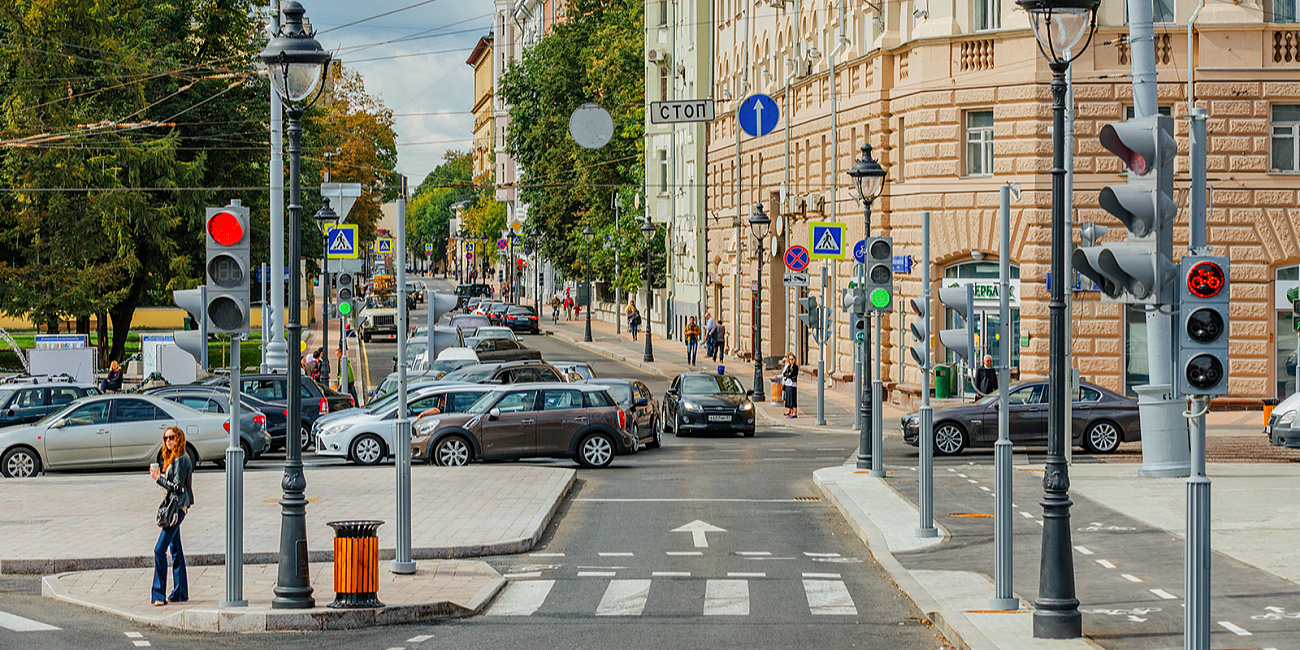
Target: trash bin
774, 390
942, 382
356, 563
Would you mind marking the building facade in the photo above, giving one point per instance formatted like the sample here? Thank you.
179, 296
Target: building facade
484, 150
954, 98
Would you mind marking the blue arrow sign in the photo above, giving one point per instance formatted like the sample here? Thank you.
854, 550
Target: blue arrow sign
758, 115
903, 263
860, 251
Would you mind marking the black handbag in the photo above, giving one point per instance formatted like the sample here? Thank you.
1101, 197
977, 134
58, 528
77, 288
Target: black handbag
169, 511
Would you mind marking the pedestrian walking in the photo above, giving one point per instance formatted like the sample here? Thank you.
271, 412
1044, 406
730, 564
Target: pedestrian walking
692, 338
986, 378
789, 386
709, 326
349, 381
633, 320
719, 341
113, 382
173, 476
568, 305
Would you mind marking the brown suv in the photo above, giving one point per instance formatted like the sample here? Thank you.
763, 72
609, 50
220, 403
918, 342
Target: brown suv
552, 419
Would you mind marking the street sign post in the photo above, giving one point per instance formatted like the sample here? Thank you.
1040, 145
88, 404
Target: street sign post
796, 259
384, 245
342, 242
860, 251
827, 240
686, 110
591, 126
758, 115
796, 279
501, 244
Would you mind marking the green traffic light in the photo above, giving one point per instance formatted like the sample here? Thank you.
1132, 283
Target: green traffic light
880, 298
345, 308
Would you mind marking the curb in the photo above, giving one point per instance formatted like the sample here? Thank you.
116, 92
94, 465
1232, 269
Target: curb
272, 620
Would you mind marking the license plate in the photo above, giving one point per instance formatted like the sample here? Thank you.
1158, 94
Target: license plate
719, 418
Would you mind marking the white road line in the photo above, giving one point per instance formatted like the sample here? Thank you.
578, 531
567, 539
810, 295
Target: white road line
1026, 515
829, 597
951, 469
546, 554
145, 644
1105, 563
984, 488
597, 574
133, 635
726, 598
520, 598
527, 574
743, 574
1039, 522
685, 553
1082, 549
624, 598
1130, 577
782, 449
20, 624
821, 554
959, 474
747, 553
616, 554
419, 639
670, 574
1235, 629
1163, 594
823, 576
971, 480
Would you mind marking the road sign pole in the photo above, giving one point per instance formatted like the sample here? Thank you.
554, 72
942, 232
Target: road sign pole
925, 488
1003, 563
877, 424
266, 320
234, 491
402, 563
821, 350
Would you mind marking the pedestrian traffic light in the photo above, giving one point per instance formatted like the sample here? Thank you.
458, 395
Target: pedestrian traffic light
858, 323
345, 295
1090, 232
961, 340
1295, 314
1139, 270
809, 313
194, 342
227, 268
880, 273
853, 300
921, 333
1203, 337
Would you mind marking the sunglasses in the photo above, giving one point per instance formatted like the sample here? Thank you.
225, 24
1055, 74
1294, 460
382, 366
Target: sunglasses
169, 437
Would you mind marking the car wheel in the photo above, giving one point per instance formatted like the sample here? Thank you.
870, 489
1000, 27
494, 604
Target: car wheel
20, 462
248, 452
193, 454
749, 433
1102, 437
595, 450
657, 427
304, 439
452, 451
636, 437
949, 439
367, 449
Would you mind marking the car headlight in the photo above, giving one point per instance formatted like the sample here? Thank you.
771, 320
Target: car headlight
427, 426
692, 407
334, 430
1287, 418
747, 406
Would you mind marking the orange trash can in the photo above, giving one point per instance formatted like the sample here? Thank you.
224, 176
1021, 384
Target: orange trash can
356, 564
774, 392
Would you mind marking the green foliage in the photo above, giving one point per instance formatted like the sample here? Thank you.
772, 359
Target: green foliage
429, 212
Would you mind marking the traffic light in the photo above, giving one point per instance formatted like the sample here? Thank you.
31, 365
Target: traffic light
853, 300
858, 324
809, 313
880, 273
227, 266
1203, 337
1090, 232
193, 341
961, 340
1295, 314
921, 333
345, 295
520, 264
1139, 270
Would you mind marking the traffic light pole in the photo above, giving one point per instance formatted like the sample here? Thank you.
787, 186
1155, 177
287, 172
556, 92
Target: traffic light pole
866, 452
1004, 598
1197, 556
925, 475
402, 563
821, 348
234, 491
877, 425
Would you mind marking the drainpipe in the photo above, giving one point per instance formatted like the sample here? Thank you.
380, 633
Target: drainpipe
840, 46
1191, 63
740, 212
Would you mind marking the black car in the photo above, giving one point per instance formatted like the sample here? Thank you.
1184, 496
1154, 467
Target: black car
640, 406
510, 372
271, 388
274, 413
1102, 419
701, 402
466, 291
496, 314
24, 403
521, 319
495, 349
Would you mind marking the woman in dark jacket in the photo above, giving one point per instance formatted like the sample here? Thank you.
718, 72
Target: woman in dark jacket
174, 476
113, 382
789, 386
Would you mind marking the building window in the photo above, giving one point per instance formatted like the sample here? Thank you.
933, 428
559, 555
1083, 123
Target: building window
984, 274
1130, 112
1283, 11
1137, 372
663, 83
988, 14
979, 143
663, 171
663, 13
1286, 139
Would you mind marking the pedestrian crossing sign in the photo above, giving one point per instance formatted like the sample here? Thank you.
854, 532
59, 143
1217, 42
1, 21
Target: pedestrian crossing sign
341, 242
384, 245
827, 240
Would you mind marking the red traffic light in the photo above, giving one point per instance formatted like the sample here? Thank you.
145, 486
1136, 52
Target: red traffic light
1205, 280
225, 229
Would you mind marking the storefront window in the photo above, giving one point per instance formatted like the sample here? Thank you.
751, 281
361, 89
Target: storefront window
1136, 369
1285, 338
984, 274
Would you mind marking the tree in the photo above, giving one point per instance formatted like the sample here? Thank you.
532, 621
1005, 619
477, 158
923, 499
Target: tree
429, 212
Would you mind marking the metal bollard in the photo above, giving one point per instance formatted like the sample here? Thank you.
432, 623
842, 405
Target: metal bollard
356, 563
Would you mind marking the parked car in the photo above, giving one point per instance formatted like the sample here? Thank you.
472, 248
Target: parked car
1281, 429
511, 372
521, 319
470, 304
117, 430
640, 406
497, 349
1102, 419
549, 420
497, 313
254, 439
316, 401
468, 323
275, 415
702, 402
484, 308
574, 370
466, 291
493, 332
415, 290
367, 437
21, 403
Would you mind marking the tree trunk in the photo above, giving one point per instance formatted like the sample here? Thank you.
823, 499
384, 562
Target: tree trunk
52, 325
101, 338
122, 313
83, 326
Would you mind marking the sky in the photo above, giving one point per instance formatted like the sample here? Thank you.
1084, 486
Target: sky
430, 93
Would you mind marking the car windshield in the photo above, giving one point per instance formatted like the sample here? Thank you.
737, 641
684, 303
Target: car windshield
56, 415
415, 349
5, 394
388, 300
469, 322
471, 375
717, 385
484, 403
526, 311
448, 365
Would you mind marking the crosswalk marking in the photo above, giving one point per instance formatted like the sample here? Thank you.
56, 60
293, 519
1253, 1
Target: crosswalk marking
1163, 594
419, 639
597, 574
670, 574
613, 554
1130, 577
685, 553
20, 624
624, 598
1234, 628
829, 597
521, 598
726, 598
821, 554
824, 576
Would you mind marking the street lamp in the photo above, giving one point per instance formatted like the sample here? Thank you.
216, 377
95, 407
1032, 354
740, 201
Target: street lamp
868, 182
759, 223
297, 65
590, 235
648, 232
1058, 25
324, 217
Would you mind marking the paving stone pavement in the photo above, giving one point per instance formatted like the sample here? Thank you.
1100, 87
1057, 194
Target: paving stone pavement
63, 523
438, 589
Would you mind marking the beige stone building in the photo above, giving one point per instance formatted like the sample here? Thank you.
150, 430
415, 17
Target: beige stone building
484, 124
954, 97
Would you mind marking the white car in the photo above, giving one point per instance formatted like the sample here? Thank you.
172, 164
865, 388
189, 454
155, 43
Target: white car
495, 332
119, 430
367, 437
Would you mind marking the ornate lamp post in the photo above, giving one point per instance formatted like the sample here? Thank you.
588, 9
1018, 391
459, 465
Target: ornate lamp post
868, 182
648, 232
297, 65
590, 235
759, 224
1059, 26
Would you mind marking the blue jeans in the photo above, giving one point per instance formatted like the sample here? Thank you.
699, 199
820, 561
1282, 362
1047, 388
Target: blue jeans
691, 348
170, 538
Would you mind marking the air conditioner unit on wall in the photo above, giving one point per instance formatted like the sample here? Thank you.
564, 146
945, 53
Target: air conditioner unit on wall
656, 56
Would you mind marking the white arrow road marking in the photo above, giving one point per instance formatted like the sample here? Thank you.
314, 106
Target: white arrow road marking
20, 624
726, 598
624, 598
697, 529
521, 598
829, 597
1136, 619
